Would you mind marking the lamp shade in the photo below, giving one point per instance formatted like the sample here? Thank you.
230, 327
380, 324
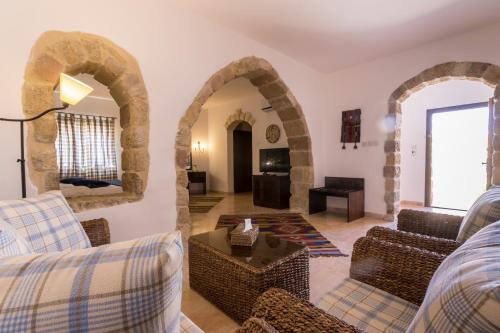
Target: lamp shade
71, 90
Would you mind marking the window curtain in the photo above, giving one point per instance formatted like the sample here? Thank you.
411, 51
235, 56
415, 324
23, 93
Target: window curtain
86, 146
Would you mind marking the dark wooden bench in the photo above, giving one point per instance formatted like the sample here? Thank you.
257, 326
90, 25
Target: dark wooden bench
353, 189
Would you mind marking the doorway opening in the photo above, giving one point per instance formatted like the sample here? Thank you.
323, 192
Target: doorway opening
488, 74
242, 158
290, 119
456, 155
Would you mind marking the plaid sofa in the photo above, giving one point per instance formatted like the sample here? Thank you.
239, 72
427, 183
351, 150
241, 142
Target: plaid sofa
132, 286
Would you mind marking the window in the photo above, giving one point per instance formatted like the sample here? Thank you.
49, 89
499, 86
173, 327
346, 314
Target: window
85, 146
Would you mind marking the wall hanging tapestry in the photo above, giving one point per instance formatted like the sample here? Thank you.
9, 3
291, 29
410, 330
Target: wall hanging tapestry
289, 226
351, 127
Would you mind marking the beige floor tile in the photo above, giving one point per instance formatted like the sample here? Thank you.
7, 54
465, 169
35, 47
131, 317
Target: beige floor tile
326, 272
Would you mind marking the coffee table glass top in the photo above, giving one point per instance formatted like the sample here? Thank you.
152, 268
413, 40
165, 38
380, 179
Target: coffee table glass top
264, 251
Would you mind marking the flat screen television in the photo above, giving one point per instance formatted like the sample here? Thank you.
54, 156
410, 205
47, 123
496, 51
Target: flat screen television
275, 160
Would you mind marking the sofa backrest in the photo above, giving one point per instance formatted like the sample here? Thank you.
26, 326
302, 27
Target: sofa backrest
464, 293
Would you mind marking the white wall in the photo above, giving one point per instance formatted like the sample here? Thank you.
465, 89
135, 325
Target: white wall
368, 86
177, 52
413, 128
220, 143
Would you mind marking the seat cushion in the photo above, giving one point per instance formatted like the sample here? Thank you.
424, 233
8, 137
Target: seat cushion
485, 211
368, 308
46, 222
464, 293
132, 286
187, 326
11, 242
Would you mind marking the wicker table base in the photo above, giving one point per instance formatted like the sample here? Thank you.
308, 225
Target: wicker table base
233, 277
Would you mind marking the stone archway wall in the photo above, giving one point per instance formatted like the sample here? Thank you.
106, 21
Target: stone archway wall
239, 116
262, 75
484, 72
73, 53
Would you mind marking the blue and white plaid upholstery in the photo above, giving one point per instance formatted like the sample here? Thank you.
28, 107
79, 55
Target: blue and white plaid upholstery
11, 243
132, 286
187, 326
464, 293
368, 308
485, 211
46, 222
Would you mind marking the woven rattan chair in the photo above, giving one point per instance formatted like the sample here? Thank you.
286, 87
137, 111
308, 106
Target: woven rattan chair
425, 230
98, 231
400, 270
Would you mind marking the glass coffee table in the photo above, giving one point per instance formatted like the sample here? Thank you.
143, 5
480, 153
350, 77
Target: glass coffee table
232, 277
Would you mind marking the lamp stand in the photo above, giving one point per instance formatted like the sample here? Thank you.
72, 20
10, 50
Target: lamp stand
22, 160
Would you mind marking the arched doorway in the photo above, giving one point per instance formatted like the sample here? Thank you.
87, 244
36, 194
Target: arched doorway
263, 76
484, 72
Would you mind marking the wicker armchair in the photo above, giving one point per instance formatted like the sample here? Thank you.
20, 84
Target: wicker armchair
400, 270
425, 230
430, 224
97, 231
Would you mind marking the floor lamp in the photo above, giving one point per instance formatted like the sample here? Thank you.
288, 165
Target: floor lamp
71, 92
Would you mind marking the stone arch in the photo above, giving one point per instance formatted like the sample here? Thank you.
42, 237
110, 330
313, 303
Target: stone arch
74, 53
262, 75
239, 116
484, 72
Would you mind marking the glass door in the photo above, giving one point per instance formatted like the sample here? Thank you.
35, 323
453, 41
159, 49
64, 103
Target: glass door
456, 162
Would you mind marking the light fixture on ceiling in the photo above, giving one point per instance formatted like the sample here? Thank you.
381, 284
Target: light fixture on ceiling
72, 92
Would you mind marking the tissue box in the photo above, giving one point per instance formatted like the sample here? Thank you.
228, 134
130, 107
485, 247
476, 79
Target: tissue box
247, 238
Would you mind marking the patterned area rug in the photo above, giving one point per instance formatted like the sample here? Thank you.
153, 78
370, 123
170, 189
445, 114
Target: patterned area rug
202, 203
290, 226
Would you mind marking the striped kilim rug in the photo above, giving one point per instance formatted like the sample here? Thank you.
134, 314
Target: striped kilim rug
290, 226
202, 203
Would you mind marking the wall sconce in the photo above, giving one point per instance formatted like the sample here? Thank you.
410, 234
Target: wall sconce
199, 148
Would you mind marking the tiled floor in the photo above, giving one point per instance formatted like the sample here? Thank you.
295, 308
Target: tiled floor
326, 272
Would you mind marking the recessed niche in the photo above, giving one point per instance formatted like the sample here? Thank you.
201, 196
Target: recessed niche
93, 59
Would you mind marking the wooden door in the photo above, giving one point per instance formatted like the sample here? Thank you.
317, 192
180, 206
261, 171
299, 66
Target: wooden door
242, 159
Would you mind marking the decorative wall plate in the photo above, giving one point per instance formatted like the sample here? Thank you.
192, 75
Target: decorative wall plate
273, 133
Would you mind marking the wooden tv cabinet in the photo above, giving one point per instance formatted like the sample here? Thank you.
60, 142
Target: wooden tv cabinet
271, 191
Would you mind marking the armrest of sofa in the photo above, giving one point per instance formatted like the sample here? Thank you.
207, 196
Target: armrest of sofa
433, 244
126, 286
98, 231
430, 224
400, 270
287, 313
256, 325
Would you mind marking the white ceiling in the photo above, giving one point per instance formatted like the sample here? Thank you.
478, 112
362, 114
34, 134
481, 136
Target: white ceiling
332, 34
234, 90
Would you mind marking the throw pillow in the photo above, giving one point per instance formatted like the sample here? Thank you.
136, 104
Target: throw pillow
46, 222
483, 212
464, 293
11, 243
132, 286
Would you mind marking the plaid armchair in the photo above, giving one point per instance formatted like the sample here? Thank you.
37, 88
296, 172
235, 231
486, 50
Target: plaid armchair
98, 231
393, 276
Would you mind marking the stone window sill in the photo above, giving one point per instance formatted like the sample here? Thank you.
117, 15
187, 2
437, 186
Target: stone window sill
86, 202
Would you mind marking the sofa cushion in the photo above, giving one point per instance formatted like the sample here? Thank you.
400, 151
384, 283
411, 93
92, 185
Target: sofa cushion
187, 326
368, 308
464, 293
128, 286
11, 242
485, 211
46, 222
